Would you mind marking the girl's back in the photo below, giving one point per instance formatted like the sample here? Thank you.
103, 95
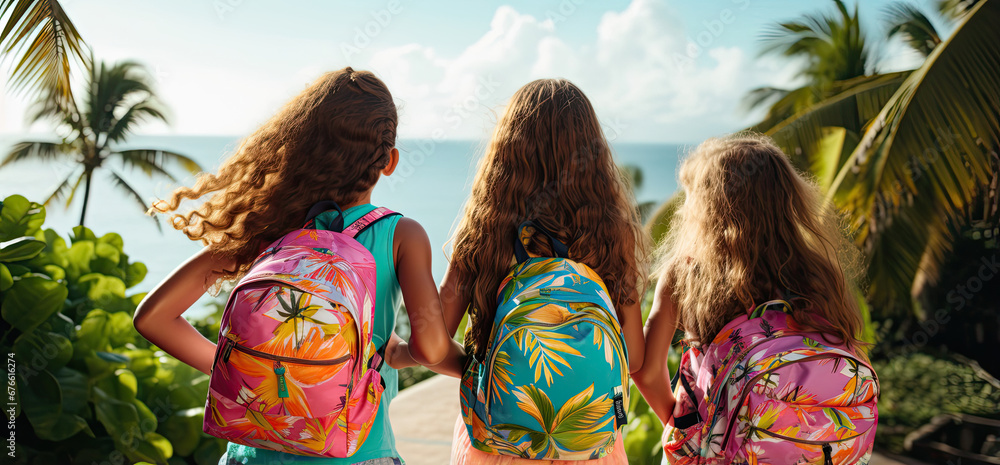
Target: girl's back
548, 163
790, 385
332, 142
380, 443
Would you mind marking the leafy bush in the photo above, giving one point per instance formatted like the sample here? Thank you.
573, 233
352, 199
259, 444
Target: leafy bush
918, 386
643, 431
89, 388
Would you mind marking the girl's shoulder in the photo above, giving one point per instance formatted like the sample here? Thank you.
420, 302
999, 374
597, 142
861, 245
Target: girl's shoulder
410, 237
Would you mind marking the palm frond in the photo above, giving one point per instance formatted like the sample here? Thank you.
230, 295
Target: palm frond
121, 127
658, 225
45, 37
112, 88
831, 47
834, 46
152, 161
130, 192
911, 25
852, 108
956, 9
926, 155
763, 96
65, 189
789, 104
33, 150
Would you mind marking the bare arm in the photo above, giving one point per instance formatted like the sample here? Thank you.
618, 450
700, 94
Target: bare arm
430, 344
158, 317
453, 306
630, 317
453, 302
653, 380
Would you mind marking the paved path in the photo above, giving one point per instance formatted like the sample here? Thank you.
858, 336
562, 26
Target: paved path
423, 418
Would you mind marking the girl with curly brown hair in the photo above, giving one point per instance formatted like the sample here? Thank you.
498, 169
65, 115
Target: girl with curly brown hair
548, 161
333, 141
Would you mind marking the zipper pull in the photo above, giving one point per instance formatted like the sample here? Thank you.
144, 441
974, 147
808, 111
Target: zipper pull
543, 292
621, 418
827, 454
282, 388
227, 349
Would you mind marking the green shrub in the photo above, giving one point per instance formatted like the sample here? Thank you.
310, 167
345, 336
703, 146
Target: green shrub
89, 388
918, 386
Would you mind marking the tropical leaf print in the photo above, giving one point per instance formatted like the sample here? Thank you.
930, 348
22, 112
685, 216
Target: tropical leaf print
265, 394
307, 233
839, 419
299, 311
545, 350
501, 375
574, 428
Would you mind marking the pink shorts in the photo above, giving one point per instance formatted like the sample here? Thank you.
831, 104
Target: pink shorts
462, 453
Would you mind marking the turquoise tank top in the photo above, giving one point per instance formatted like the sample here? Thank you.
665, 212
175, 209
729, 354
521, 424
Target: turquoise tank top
380, 442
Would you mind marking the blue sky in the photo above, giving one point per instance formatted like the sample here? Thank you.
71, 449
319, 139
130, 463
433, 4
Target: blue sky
656, 70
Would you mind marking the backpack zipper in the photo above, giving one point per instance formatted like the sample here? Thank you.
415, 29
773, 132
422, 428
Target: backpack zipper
231, 344
736, 361
827, 448
753, 381
804, 441
270, 277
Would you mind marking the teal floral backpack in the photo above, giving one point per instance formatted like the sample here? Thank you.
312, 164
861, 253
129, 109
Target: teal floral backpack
554, 381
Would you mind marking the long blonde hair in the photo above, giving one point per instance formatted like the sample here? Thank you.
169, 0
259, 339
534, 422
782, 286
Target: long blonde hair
328, 143
752, 229
547, 161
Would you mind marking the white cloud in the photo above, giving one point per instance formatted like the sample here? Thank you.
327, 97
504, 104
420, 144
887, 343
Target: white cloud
638, 70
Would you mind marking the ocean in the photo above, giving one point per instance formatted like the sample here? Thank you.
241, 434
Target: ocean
430, 185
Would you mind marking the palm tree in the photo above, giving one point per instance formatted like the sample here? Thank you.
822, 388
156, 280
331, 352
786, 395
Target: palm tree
899, 152
42, 33
913, 26
117, 98
927, 159
833, 47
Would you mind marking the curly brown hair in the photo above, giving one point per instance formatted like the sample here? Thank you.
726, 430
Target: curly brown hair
753, 229
548, 160
328, 143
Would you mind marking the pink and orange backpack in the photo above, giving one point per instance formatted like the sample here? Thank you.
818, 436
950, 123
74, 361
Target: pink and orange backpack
765, 393
295, 368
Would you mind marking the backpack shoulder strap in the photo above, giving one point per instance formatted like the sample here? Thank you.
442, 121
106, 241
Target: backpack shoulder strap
320, 207
775, 304
521, 254
367, 220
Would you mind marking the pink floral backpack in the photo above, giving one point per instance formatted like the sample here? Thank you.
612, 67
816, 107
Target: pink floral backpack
765, 393
295, 368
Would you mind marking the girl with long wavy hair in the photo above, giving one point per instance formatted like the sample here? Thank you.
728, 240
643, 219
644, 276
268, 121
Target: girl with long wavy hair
548, 161
751, 230
333, 141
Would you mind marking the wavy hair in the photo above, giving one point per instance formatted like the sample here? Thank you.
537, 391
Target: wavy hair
547, 161
752, 229
328, 143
